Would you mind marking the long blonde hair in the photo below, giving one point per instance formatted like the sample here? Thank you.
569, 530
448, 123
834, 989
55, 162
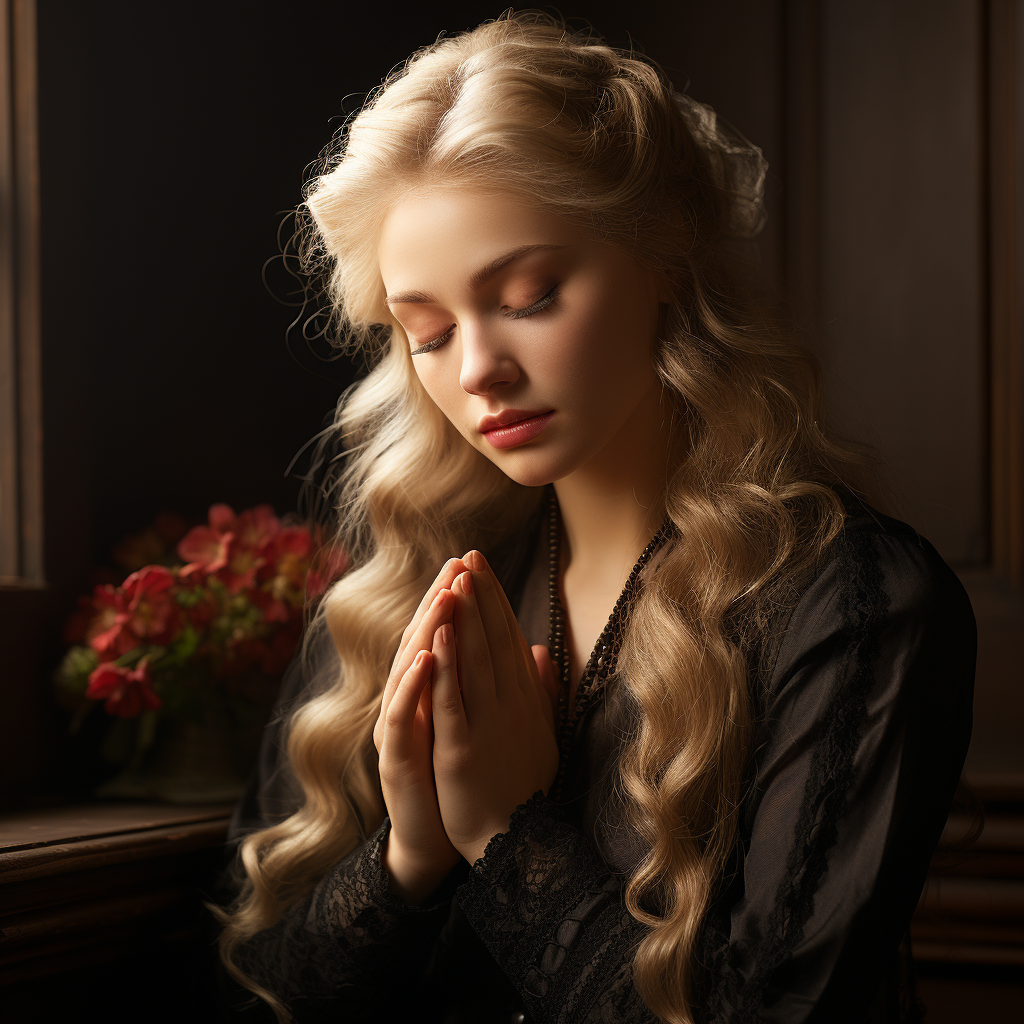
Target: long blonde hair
519, 100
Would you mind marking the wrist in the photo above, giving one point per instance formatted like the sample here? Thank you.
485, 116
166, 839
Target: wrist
475, 851
409, 879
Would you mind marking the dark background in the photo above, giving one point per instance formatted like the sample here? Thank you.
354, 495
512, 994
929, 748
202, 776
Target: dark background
174, 138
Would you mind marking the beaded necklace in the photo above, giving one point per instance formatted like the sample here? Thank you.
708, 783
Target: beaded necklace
605, 654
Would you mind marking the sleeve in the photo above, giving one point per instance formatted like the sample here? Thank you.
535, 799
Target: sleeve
334, 951
337, 950
863, 741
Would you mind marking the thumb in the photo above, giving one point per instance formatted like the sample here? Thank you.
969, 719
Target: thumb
547, 680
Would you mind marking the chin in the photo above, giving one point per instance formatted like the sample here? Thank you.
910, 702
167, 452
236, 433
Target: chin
528, 467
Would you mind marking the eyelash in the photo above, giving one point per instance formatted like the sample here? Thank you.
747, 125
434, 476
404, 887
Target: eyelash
514, 314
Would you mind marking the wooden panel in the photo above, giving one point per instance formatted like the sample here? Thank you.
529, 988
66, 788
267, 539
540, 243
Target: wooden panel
1005, 78
972, 907
902, 253
995, 762
802, 193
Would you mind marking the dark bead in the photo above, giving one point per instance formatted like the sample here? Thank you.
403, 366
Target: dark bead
596, 669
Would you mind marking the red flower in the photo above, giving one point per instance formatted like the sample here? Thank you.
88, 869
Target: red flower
126, 691
204, 548
233, 547
287, 554
222, 517
108, 633
243, 562
142, 609
257, 526
192, 575
154, 612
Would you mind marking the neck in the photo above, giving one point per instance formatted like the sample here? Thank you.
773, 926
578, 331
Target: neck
612, 506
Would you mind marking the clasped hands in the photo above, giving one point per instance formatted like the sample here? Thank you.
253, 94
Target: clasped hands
466, 730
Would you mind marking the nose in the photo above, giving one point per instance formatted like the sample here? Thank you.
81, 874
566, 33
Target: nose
486, 362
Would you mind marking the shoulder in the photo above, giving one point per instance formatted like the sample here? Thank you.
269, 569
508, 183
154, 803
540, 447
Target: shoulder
880, 591
880, 567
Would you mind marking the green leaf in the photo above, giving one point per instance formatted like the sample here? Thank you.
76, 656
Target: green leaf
72, 675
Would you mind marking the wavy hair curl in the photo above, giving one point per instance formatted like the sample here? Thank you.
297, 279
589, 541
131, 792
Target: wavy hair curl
752, 488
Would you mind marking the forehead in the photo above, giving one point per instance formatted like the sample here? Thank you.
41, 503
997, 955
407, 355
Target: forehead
451, 232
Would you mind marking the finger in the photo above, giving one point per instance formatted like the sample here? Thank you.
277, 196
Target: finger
532, 671
548, 686
472, 654
405, 657
440, 610
447, 708
477, 559
502, 643
401, 713
424, 716
442, 581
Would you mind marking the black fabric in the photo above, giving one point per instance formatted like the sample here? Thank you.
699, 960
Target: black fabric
863, 726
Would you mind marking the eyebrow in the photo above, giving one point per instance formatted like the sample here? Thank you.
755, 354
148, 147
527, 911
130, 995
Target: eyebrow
480, 276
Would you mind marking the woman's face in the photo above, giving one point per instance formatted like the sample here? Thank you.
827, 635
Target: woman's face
507, 307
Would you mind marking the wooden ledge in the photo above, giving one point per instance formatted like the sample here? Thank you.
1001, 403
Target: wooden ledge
80, 822
61, 840
99, 880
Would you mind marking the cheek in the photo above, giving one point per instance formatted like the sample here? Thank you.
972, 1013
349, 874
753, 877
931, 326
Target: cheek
431, 383
607, 348
442, 389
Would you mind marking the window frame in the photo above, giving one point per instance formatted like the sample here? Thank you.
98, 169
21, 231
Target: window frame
22, 564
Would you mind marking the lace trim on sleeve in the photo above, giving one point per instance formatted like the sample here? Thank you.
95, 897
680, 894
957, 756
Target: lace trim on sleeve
351, 932
551, 913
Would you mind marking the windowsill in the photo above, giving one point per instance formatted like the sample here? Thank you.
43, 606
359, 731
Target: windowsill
93, 882
84, 825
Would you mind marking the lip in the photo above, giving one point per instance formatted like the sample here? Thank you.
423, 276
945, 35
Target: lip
517, 431
509, 416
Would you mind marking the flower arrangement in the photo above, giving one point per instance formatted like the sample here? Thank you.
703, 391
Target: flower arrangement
213, 620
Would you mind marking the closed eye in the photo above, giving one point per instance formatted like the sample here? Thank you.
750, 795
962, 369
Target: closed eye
535, 307
510, 312
436, 343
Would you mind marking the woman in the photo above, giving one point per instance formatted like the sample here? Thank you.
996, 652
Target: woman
675, 718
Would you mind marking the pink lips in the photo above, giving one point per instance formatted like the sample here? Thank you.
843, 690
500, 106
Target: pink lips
514, 431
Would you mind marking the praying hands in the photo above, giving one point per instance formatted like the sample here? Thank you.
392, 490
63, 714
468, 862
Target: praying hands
457, 756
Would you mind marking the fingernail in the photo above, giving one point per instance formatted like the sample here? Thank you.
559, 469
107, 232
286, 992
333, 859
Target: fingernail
446, 634
467, 582
476, 560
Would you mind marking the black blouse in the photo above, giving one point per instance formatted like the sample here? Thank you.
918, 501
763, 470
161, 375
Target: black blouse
863, 723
